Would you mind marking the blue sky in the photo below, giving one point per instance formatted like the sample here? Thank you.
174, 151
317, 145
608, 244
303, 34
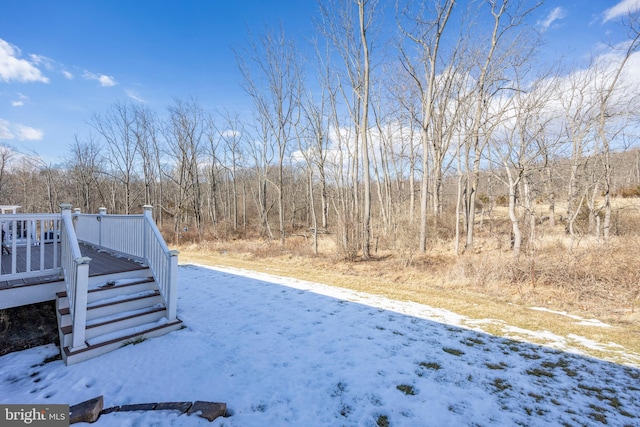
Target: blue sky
61, 61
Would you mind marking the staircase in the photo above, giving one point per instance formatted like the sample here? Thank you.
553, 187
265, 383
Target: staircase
122, 308
114, 279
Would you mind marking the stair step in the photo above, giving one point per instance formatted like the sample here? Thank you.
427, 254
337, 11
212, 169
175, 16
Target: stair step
105, 345
133, 274
116, 299
118, 317
125, 321
103, 309
110, 306
105, 289
124, 315
119, 284
132, 331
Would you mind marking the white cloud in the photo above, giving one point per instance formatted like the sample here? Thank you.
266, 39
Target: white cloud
131, 94
48, 63
230, 133
621, 9
5, 133
14, 68
27, 133
20, 101
19, 131
103, 79
67, 74
106, 80
555, 15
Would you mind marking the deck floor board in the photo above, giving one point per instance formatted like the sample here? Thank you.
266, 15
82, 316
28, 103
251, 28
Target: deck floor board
102, 262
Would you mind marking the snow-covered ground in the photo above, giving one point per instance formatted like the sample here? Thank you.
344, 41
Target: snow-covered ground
283, 352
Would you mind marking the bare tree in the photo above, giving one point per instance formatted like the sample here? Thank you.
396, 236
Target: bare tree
346, 25
519, 147
306, 138
406, 95
213, 138
365, 18
262, 153
504, 47
341, 163
117, 126
612, 106
146, 138
423, 24
313, 141
272, 77
184, 133
576, 126
316, 114
6, 155
85, 167
232, 137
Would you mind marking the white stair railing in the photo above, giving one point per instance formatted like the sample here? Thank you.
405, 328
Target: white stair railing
136, 236
162, 261
75, 268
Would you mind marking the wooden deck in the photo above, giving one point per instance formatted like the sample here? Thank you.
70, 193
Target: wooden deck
102, 262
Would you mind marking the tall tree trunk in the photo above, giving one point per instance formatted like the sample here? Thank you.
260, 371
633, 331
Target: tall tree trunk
516, 234
364, 125
424, 191
314, 219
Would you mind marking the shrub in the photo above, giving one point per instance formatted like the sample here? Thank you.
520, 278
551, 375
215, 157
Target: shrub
628, 192
502, 200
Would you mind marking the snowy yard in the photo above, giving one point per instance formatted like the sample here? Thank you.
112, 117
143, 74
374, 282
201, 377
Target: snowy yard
282, 352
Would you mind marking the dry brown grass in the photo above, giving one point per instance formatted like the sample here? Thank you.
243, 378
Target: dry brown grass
427, 282
585, 278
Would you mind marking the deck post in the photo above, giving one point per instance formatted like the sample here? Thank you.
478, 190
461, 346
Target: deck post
172, 300
65, 209
102, 211
148, 214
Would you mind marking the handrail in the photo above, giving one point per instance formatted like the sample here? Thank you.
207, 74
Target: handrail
162, 262
136, 236
75, 268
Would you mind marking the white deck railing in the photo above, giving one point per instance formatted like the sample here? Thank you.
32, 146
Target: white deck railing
135, 236
75, 268
119, 233
31, 232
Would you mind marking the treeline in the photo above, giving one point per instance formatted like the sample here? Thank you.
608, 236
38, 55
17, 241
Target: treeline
397, 136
